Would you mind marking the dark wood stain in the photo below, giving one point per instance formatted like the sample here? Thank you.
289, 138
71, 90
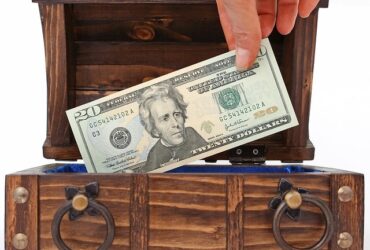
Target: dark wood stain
91, 52
22, 218
183, 211
139, 212
348, 215
87, 58
258, 191
87, 232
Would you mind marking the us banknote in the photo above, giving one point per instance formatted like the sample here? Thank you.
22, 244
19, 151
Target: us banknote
183, 116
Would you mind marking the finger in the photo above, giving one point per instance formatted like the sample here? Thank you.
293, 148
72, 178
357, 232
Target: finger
245, 28
286, 15
226, 25
267, 14
306, 7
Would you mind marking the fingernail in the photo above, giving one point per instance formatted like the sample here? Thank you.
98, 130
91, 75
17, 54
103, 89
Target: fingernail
304, 15
242, 58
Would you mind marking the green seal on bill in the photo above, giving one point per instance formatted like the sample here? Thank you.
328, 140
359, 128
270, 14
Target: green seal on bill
229, 98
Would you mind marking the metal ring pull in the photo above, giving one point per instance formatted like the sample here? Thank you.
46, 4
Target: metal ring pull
329, 229
55, 228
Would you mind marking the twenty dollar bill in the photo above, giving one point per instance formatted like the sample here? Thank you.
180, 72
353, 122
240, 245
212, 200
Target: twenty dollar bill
183, 116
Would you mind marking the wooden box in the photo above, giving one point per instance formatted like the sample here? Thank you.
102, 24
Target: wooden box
96, 47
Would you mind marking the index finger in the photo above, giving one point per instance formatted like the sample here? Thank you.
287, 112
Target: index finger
287, 14
246, 29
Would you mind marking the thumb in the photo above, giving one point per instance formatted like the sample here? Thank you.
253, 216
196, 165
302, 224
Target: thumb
245, 27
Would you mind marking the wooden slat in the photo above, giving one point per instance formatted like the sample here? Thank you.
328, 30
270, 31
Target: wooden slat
323, 3
297, 74
349, 216
83, 97
130, 12
234, 212
88, 232
166, 55
70, 152
59, 69
139, 212
187, 212
21, 218
164, 29
260, 189
170, 22
124, 1
115, 77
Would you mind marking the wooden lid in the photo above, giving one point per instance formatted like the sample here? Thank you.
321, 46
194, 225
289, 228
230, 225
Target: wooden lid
92, 51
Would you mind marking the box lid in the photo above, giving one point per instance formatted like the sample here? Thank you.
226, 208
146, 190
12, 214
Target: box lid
96, 48
322, 3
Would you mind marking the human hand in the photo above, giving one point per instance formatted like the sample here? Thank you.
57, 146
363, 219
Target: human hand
246, 22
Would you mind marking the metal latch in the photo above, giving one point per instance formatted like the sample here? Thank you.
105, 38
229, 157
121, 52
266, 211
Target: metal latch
248, 154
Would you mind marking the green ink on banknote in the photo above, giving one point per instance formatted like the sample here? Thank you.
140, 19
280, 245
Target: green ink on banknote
229, 98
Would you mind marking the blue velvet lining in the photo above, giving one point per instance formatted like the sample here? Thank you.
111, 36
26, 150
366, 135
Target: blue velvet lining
80, 168
68, 168
240, 169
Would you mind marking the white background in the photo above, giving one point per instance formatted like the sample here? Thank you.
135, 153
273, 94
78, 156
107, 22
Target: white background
339, 124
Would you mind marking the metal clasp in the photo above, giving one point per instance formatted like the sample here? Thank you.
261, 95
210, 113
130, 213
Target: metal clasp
254, 154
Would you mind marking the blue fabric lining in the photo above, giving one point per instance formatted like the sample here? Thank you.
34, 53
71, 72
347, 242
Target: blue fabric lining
68, 168
80, 168
240, 169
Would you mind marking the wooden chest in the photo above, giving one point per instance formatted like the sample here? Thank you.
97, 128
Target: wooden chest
94, 48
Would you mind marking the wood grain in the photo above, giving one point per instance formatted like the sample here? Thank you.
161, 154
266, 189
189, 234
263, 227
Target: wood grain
275, 150
90, 56
69, 152
124, 1
145, 11
235, 212
171, 22
183, 211
59, 70
297, 73
176, 31
87, 232
187, 212
348, 215
323, 3
21, 218
114, 77
139, 212
258, 191
168, 55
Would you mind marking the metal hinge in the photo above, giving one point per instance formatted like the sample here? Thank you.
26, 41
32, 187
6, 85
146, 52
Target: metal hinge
255, 154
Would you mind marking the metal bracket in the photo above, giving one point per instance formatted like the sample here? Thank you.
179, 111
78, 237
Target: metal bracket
254, 154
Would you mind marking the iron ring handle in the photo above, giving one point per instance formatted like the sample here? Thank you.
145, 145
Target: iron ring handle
329, 229
55, 227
